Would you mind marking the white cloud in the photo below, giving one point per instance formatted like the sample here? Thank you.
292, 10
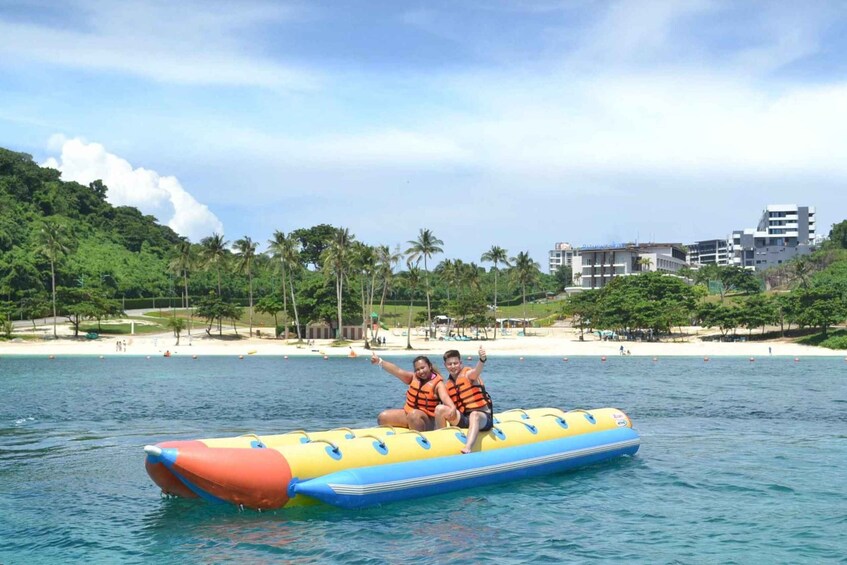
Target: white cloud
162, 197
180, 43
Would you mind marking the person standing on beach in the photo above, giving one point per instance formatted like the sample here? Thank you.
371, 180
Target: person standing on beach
426, 391
474, 408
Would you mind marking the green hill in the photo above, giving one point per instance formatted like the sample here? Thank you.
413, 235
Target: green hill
115, 248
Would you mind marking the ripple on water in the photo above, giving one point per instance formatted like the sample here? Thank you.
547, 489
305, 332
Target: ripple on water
729, 469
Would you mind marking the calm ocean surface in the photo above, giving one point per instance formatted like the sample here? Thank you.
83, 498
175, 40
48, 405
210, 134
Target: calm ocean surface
741, 462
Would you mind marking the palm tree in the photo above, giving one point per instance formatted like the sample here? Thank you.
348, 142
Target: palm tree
365, 263
496, 255
424, 248
448, 270
54, 241
279, 248
246, 249
801, 268
386, 261
181, 264
213, 254
286, 250
290, 258
525, 272
336, 260
644, 263
413, 281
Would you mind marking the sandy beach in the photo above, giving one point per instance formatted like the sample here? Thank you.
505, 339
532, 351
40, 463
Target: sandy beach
562, 342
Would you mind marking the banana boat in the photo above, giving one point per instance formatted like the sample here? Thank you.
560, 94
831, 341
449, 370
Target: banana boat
355, 468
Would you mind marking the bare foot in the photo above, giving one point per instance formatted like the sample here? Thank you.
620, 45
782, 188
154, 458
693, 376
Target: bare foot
466, 450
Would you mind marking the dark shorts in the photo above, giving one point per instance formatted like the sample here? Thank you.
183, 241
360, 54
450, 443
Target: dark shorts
464, 421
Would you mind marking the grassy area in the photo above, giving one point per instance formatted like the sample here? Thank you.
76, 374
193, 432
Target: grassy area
24, 337
122, 328
399, 315
394, 316
834, 339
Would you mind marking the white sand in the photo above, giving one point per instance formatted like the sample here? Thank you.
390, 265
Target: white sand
561, 342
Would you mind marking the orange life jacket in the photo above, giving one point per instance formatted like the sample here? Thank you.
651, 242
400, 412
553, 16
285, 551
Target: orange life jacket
423, 397
468, 395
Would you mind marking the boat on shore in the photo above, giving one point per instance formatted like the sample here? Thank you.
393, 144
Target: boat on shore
354, 468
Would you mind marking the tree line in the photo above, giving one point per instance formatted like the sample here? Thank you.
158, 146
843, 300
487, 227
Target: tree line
812, 294
65, 251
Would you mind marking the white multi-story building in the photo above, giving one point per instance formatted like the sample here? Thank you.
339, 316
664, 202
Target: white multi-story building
709, 252
561, 256
784, 231
594, 267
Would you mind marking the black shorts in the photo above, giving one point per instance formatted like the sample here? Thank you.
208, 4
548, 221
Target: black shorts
464, 421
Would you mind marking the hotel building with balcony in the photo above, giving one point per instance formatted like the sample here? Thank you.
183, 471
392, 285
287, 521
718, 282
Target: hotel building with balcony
709, 252
595, 266
784, 232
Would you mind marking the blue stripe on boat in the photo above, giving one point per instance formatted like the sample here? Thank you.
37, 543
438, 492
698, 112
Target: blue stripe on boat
368, 486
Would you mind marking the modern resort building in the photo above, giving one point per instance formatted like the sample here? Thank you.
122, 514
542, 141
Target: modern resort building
595, 266
709, 252
561, 256
784, 231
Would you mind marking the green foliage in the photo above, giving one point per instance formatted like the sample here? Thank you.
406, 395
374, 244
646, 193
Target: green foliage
66, 236
42, 220
317, 301
176, 325
313, 241
838, 236
6, 326
648, 301
86, 304
212, 308
271, 304
582, 308
721, 316
563, 277
833, 340
820, 306
758, 311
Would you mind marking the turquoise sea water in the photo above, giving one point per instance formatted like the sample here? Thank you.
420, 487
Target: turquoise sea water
741, 462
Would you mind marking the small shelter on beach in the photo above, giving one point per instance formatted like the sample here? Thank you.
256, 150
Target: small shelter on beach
505, 323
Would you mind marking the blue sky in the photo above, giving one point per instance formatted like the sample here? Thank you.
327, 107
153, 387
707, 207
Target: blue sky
518, 123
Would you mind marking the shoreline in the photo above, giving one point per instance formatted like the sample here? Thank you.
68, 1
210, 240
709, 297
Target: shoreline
560, 343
